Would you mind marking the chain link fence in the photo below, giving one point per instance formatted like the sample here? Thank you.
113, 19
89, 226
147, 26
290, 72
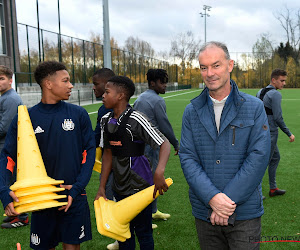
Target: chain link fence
81, 57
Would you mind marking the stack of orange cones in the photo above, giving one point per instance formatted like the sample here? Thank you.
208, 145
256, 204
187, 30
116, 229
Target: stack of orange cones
34, 189
112, 218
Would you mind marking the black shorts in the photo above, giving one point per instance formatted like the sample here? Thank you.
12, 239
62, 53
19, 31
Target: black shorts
50, 226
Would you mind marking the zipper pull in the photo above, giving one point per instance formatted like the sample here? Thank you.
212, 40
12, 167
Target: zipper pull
233, 135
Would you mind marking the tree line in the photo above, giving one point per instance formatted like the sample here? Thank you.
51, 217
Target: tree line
252, 70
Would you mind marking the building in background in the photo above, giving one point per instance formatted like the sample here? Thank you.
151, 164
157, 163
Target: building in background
9, 48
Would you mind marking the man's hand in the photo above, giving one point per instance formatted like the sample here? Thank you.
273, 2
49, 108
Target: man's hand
222, 205
176, 152
70, 198
218, 220
292, 138
10, 209
160, 183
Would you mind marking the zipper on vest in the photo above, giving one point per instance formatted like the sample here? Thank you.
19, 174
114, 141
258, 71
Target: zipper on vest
233, 135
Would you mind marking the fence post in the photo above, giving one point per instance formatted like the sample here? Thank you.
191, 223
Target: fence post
38, 28
78, 91
28, 52
84, 71
59, 34
13, 42
94, 50
124, 63
118, 56
73, 71
43, 51
135, 62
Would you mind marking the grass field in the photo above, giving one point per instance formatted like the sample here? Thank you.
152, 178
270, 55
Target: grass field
281, 218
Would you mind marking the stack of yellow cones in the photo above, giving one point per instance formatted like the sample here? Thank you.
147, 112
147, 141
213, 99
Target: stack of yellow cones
34, 189
98, 163
113, 218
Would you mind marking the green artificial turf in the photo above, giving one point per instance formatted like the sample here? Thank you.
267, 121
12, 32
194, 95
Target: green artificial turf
280, 221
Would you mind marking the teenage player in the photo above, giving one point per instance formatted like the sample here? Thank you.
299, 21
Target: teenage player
125, 133
67, 144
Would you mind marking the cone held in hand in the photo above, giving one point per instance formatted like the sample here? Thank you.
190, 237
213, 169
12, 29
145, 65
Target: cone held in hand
113, 218
98, 163
33, 186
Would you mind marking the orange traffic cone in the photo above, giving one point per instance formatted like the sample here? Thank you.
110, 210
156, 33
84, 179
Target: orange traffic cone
98, 163
33, 186
113, 218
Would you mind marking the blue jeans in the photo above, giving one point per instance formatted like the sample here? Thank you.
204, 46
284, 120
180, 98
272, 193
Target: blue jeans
141, 225
274, 160
153, 156
243, 235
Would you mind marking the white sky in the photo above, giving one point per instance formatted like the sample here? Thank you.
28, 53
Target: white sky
238, 23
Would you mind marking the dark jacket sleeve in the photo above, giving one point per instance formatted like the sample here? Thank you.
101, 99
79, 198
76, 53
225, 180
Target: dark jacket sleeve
143, 129
9, 152
10, 110
88, 155
277, 113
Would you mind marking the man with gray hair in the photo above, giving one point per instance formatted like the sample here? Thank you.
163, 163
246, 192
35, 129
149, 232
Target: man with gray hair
224, 151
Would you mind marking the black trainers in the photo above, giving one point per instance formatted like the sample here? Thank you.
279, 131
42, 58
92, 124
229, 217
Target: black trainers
8, 219
277, 192
16, 222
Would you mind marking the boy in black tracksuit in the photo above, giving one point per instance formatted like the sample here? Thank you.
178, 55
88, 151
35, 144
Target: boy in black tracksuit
125, 132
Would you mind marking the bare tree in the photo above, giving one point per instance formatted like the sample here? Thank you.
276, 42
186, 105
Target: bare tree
263, 53
138, 46
290, 22
185, 48
264, 45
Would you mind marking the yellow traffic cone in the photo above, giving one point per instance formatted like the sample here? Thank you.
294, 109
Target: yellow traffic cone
33, 187
38, 197
37, 190
98, 163
35, 206
30, 168
113, 218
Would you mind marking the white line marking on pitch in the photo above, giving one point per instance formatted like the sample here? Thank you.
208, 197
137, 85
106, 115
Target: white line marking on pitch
94, 112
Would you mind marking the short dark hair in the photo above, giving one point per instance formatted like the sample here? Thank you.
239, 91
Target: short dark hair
218, 45
46, 69
278, 72
105, 73
6, 71
124, 83
157, 74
